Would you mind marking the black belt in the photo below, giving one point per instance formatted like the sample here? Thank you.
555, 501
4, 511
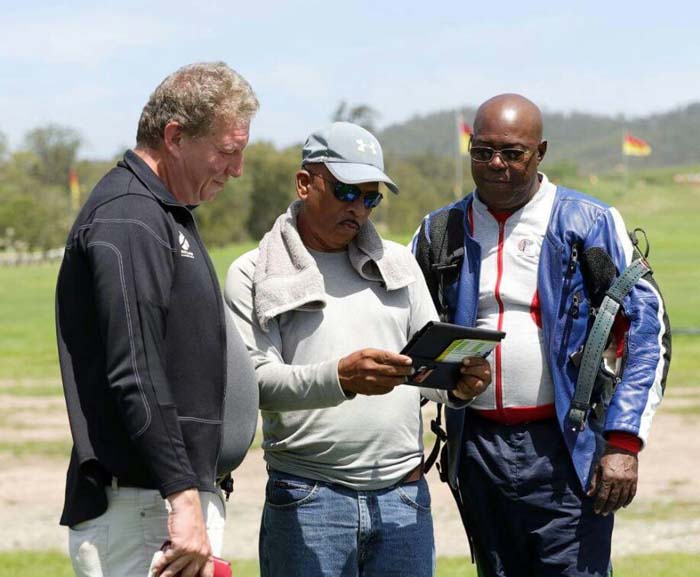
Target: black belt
125, 483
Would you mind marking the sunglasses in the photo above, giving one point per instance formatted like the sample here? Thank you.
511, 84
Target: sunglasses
350, 193
508, 155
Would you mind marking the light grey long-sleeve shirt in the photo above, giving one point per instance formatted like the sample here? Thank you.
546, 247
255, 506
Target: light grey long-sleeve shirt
310, 427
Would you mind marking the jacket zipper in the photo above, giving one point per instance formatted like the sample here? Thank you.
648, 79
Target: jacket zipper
497, 294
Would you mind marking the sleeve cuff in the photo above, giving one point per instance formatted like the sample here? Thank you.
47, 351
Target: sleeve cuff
455, 402
333, 366
625, 441
172, 487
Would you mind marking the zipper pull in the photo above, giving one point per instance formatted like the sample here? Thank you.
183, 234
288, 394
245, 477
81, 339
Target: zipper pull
575, 304
574, 258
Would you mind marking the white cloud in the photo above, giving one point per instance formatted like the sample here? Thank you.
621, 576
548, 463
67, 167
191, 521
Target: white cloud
77, 36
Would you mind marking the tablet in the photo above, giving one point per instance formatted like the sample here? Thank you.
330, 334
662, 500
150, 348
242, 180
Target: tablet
437, 351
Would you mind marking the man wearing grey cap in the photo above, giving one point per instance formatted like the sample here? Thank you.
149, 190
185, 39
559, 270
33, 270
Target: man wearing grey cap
323, 304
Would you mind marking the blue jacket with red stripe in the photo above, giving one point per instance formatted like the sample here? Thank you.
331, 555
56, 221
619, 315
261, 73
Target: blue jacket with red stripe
578, 222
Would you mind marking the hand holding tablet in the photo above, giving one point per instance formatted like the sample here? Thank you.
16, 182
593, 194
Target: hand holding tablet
437, 351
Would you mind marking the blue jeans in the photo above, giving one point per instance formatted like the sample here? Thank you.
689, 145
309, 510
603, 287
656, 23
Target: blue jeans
317, 529
529, 515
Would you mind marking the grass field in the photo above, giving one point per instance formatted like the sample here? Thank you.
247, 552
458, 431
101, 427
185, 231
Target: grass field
31, 564
653, 201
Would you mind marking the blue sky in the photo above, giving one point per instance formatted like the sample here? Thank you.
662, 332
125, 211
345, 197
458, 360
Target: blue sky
91, 65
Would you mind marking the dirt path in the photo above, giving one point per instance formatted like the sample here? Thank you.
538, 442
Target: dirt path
664, 517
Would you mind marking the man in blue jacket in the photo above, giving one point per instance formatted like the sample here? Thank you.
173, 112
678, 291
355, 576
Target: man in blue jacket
539, 494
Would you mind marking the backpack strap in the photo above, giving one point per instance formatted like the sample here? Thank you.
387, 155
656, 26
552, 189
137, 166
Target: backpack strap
597, 340
440, 258
441, 262
440, 438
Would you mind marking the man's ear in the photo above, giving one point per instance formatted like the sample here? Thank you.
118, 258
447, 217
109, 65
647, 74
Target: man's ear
541, 150
303, 182
172, 138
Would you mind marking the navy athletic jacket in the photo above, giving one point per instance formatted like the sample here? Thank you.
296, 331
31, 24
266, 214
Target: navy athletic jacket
142, 345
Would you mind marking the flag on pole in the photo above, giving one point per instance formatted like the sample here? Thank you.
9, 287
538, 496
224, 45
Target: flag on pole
74, 187
633, 146
465, 135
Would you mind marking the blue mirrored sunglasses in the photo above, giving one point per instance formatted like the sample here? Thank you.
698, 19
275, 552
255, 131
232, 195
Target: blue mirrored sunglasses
350, 192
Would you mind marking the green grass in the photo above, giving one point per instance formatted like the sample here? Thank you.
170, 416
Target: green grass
34, 564
665, 210
47, 449
28, 337
660, 511
689, 410
55, 564
660, 565
223, 257
33, 389
685, 362
668, 565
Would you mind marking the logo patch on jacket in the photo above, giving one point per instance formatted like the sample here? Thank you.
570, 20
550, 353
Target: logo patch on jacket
528, 247
185, 246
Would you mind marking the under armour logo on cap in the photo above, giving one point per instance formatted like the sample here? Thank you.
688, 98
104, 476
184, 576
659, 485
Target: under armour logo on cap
362, 146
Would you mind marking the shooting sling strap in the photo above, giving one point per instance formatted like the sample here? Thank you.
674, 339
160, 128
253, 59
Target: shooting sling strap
597, 341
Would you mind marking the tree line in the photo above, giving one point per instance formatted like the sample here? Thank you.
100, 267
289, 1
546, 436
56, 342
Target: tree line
592, 141
36, 209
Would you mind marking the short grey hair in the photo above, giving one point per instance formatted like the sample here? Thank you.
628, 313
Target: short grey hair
196, 96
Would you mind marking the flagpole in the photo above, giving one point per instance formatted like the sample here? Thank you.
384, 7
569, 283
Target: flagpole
459, 173
626, 164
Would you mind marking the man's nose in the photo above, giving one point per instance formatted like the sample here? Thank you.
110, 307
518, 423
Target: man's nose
496, 162
357, 206
235, 168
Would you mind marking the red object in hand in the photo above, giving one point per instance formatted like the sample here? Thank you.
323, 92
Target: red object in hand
221, 568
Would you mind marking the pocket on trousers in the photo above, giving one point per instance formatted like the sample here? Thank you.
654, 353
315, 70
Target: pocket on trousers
416, 495
87, 544
287, 493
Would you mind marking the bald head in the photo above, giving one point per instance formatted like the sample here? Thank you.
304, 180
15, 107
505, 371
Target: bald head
511, 110
506, 150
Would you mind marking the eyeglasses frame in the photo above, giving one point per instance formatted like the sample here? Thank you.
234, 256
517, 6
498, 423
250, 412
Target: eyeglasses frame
337, 185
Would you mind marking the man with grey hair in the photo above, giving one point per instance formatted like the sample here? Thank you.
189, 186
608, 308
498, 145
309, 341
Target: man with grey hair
141, 337
324, 305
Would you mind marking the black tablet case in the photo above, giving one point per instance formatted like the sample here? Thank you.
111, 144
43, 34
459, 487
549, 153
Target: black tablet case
430, 342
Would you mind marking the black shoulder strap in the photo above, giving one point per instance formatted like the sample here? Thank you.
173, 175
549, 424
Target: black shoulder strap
440, 257
440, 438
441, 261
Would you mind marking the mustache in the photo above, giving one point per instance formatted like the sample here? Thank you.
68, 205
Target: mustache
351, 221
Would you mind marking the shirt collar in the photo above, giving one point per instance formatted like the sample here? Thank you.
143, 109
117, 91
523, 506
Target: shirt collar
149, 178
544, 189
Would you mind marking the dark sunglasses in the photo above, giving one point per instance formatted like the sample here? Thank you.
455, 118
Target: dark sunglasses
350, 193
508, 155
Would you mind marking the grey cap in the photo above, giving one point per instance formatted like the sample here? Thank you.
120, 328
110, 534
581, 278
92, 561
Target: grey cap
351, 153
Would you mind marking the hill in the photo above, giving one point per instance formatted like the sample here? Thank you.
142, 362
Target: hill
592, 142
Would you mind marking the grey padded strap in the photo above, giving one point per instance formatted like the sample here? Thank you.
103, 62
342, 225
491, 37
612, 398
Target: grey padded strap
597, 339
